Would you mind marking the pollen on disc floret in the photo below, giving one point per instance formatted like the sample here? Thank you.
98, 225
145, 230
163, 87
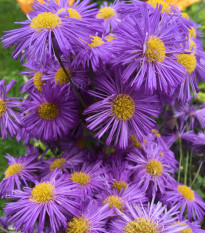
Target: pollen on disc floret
45, 20
123, 107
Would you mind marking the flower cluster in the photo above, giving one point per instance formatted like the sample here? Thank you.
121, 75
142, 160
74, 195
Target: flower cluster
99, 81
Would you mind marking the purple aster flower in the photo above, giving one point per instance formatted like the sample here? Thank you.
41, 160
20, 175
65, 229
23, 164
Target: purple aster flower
184, 198
121, 112
35, 35
193, 227
56, 75
60, 165
89, 178
21, 171
118, 175
111, 15
4, 223
50, 114
152, 170
148, 47
193, 60
153, 218
96, 49
52, 200
37, 72
9, 118
92, 218
118, 200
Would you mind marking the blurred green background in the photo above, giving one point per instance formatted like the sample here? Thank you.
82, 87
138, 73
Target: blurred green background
9, 68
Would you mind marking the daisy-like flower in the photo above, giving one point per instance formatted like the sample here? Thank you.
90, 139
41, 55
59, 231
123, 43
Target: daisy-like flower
60, 165
50, 114
121, 112
118, 200
9, 118
37, 73
184, 198
154, 218
92, 218
51, 201
21, 171
89, 178
193, 60
118, 175
35, 35
193, 227
56, 75
110, 14
152, 170
96, 49
148, 51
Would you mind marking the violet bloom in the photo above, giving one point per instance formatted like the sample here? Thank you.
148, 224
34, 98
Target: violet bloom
51, 201
9, 118
21, 171
50, 114
152, 170
118, 175
184, 198
92, 218
121, 112
95, 50
88, 179
193, 227
118, 200
147, 47
111, 15
61, 164
35, 35
152, 218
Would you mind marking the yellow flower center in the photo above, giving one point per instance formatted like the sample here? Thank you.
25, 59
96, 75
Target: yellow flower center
48, 111
109, 38
43, 192
192, 32
115, 201
135, 143
141, 225
106, 13
2, 107
188, 61
46, 20
60, 76
74, 14
155, 50
81, 178
154, 167
165, 5
96, 41
78, 225
185, 15
123, 107
81, 143
119, 185
57, 163
186, 192
192, 46
189, 230
37, 81
14, 169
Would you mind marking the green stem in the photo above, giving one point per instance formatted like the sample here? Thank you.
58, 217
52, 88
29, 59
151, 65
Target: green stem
186, 167
180, 158
199, 169
69, 78
190, 169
